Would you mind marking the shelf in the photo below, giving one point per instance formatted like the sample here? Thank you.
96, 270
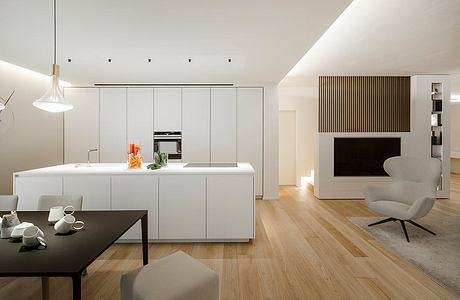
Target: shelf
437, 103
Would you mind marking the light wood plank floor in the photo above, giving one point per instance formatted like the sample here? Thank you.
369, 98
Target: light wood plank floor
305, 249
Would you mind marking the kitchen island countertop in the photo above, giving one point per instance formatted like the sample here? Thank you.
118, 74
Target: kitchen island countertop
121, 169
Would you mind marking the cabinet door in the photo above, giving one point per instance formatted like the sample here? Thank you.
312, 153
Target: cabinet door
223, 125
250, 131
81, 125
196, 121
29, 189
167, 110
94, 189
140, 120
137, 192
113, 125
230, 207
182, 208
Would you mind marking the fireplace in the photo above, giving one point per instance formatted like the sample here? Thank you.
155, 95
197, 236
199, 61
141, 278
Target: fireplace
363, 156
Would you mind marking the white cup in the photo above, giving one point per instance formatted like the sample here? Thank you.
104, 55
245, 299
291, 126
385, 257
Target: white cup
33, 236
58, 212
67, 223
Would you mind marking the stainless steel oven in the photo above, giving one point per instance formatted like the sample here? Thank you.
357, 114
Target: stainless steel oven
169, 142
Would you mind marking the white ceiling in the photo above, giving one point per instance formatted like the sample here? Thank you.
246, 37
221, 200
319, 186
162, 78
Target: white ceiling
387, 37
265, 39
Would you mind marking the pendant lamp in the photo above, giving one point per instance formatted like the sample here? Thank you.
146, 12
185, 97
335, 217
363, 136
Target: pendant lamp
53, 100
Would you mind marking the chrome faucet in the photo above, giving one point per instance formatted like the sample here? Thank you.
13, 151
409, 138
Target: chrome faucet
89, 152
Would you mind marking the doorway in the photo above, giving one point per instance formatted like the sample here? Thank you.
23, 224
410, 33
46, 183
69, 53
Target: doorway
287, 147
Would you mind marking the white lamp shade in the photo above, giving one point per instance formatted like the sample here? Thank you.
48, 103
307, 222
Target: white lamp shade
53, 101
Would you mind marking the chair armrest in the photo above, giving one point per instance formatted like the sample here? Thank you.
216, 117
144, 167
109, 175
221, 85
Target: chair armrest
376, 193
421, 207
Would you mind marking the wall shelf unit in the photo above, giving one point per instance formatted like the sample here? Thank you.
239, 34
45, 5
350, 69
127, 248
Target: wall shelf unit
436, 125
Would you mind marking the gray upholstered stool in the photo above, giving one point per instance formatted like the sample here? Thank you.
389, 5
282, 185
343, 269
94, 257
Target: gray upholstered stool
175, 277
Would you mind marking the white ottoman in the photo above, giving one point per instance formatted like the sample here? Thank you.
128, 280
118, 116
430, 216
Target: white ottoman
175, 277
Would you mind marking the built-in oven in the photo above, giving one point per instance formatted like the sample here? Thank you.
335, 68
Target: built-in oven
169, 142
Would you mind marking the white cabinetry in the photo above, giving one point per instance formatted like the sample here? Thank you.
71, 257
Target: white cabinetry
137, 192
81, 124
223, 125
113, 125
94, 189
230, 207
182, 203
29, 189
182, 208
196, 118
250, 131
167, 109
140, 120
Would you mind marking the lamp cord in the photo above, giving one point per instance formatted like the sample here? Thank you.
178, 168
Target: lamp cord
54, 11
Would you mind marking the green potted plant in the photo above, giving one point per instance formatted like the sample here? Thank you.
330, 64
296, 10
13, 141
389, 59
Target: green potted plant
159, 160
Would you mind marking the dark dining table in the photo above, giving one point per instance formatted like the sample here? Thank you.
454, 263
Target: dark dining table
69, 255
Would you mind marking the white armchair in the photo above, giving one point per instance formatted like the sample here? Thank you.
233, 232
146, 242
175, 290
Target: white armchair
410, 195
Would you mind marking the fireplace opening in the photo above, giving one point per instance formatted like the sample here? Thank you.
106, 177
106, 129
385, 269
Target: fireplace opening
364, 156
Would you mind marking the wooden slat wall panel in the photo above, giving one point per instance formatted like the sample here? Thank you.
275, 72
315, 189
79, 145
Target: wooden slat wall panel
364, 104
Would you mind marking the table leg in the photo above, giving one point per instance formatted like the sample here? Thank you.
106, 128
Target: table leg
76, 286
45, 288
145, 245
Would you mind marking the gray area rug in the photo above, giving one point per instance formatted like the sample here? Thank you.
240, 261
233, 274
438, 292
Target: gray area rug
439, 255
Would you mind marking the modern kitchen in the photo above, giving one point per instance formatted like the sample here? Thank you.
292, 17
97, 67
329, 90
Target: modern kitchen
213, 140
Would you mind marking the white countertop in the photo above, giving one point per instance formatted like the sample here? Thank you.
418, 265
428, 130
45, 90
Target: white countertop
121, 169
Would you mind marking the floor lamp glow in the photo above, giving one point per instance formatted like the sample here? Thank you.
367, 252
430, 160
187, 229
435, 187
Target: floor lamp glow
53, 100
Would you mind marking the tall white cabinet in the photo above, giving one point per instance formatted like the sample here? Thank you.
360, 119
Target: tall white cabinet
81, 124
250, 131
196, 124
167, 109
140, 119
112, 125
223, 125
218, 124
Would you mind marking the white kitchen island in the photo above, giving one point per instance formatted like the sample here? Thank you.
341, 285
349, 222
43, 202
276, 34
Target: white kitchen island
184, 203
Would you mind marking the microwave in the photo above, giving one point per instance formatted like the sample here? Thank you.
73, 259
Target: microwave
169, 142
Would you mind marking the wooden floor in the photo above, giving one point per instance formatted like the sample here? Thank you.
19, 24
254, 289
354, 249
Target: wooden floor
305, 249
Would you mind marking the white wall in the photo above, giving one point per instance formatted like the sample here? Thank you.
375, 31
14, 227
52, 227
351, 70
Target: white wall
455, 136
287, 147
303, 100
271, 142
35, 138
